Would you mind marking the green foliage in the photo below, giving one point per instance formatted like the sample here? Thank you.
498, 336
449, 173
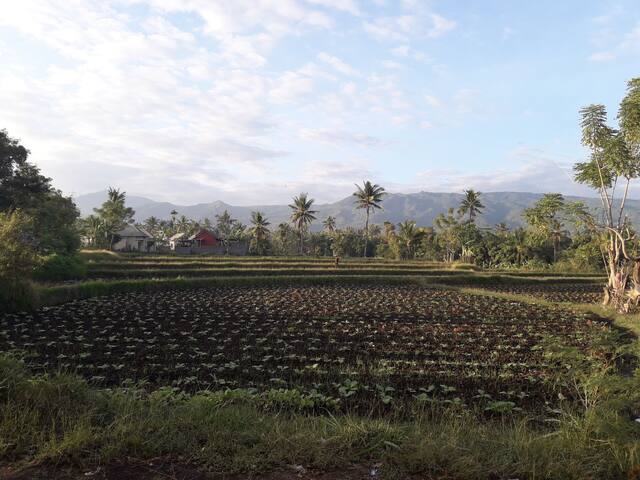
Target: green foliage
61, 267
302, 216
471, 204
259, 234
59, 418
114, 215
23, 187
368, 198
347, 243
18, 258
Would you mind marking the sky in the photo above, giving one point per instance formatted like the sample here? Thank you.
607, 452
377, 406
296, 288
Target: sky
254, 101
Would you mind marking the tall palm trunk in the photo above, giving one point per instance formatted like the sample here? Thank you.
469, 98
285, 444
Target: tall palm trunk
366, 234
301, 241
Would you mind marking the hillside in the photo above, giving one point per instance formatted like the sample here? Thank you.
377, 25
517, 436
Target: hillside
422, 207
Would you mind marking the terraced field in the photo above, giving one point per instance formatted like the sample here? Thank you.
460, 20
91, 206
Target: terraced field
555, 292
129, 266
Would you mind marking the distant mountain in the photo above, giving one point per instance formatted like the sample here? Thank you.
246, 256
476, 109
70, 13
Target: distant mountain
422, 207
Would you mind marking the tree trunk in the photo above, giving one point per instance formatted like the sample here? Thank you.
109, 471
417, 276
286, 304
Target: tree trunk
301, 243
366, 234
623, 287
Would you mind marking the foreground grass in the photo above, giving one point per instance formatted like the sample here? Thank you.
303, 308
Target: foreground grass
61, 419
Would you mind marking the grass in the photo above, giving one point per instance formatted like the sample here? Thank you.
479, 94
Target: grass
61, 419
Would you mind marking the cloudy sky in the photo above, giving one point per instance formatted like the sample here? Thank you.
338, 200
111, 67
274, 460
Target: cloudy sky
251, 101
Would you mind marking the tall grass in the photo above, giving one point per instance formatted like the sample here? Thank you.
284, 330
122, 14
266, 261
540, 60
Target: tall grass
61, 419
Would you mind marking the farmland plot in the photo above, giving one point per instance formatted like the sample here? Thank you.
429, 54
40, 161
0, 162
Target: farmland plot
342, 347
555, 292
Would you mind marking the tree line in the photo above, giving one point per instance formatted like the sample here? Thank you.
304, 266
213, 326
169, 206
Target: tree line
555, 232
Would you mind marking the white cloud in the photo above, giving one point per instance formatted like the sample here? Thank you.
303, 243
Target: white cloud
417, 21
338, 65
601, 56
340, 137
349, 6
432, 101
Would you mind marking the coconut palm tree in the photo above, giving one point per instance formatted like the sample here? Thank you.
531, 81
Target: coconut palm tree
408, 234
471, 204
183, 224
94, 230
152, 225
302, 215
368, 198
329, 224
114, 213
260, 232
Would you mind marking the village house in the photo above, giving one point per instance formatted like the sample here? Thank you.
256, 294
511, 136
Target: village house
134, 239
179, 240
204, 239
206, 242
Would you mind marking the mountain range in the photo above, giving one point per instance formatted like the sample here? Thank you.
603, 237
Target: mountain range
422, 207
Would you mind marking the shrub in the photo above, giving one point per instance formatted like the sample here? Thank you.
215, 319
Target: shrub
61, 267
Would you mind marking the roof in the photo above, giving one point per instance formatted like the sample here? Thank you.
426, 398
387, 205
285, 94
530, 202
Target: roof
177, 236
133, 231
200, 232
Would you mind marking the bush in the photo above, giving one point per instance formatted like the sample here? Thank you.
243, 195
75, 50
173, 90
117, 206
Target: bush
17, 261
61, 267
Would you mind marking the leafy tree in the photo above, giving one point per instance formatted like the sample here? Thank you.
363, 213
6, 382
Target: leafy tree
114, 214
471, 204
302, 216
22, 186
368, 198
93, 230
285, 240
20, 181
346, 243
18, 257
259, 233
614, 159
448, 234
546, 217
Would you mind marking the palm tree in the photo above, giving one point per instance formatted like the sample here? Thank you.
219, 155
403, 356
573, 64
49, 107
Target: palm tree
302, 215
471, 204
184, 224
368, 198
260, 224
114, 213
94, 229
152, 224
408, 234
329, 224
259, 232
521, 245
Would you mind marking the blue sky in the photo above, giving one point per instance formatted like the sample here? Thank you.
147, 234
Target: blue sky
252, 101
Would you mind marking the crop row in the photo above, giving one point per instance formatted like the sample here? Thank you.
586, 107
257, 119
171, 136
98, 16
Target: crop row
555, 292
359, 345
